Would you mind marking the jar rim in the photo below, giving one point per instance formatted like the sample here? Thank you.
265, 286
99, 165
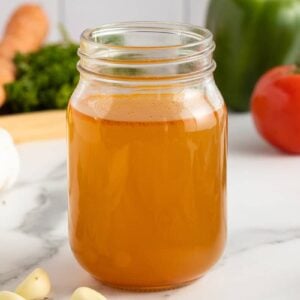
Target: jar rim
200, 34
147, 51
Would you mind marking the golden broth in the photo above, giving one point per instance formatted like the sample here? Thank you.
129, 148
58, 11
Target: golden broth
147, 177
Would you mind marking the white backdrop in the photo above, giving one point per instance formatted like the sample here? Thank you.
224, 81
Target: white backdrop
80, 14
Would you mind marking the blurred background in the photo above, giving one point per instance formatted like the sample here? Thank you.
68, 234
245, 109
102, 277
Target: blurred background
78, 15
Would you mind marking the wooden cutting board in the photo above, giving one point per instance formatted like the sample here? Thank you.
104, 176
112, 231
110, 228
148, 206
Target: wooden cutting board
35, 126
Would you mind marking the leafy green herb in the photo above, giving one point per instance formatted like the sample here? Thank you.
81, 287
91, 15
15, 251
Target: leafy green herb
44, 79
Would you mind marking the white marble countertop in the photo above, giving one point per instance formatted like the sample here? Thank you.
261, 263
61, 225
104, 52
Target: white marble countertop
262, 258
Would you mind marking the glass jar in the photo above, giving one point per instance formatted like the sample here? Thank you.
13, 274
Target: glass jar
147, 132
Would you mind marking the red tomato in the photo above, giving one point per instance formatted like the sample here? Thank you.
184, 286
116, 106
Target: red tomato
275, 107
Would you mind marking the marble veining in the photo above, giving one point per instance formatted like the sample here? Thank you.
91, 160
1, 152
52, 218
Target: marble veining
261, 260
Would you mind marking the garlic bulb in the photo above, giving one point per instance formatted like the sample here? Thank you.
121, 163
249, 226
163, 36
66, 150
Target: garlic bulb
9, 161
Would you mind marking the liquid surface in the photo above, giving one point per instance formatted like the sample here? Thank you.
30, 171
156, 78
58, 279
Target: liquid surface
147, 178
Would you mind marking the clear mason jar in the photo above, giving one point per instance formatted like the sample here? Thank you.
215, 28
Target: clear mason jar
147, 133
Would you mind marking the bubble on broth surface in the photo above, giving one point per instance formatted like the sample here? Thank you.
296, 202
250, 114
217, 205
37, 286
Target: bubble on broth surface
149, 107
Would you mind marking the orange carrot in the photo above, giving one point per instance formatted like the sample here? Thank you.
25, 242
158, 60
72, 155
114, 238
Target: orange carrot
7, 71
2, 95
25, 32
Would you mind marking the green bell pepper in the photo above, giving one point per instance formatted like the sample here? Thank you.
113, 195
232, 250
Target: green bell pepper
252, 36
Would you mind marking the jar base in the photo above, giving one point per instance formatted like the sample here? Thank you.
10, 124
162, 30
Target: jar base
148, 289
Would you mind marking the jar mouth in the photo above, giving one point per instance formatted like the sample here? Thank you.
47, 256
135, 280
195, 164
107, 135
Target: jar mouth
109, 35
147, 49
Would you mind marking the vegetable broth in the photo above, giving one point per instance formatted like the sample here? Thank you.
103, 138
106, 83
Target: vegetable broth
147, 177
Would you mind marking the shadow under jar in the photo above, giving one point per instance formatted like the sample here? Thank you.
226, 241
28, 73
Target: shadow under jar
147, 133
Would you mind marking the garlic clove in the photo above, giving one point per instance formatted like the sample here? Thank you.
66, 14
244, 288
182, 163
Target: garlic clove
35, 286
5, 295
85, 293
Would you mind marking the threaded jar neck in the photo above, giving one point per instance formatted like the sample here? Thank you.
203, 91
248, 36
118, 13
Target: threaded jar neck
147, 51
